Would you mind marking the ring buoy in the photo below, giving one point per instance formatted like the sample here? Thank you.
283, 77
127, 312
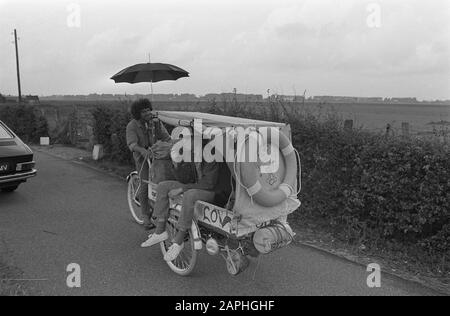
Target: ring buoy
266, 193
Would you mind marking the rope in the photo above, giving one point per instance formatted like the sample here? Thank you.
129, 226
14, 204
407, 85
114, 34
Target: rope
299, 171
238, 180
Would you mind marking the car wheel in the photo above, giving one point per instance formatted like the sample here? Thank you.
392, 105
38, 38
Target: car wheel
10, 189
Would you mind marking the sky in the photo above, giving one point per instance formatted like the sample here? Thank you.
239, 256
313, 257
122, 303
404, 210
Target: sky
384, 48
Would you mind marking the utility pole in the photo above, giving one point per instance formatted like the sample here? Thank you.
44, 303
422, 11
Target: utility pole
18, 68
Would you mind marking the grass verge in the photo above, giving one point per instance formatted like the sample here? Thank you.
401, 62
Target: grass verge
9, 286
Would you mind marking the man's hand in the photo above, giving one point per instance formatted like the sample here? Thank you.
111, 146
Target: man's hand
144, 153
176, 192
162, 149
159, 155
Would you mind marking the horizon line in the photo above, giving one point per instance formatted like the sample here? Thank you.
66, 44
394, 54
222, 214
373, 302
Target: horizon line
227, 93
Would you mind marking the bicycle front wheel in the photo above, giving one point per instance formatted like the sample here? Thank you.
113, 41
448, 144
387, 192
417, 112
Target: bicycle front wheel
133, 199
185, 263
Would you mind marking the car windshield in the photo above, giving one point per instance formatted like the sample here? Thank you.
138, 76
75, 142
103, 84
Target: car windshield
4, 133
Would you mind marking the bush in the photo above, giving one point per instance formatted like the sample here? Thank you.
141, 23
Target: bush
119, 149
110, 130
26, 121
401, 192
103, 122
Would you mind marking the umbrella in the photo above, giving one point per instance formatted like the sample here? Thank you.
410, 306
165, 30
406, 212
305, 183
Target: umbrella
150, 72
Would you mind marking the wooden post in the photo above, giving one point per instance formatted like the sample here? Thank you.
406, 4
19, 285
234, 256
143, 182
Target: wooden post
17, 66
388, 130
405, 129
348, 125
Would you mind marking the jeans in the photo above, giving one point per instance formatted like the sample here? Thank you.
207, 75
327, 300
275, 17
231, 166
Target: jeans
161, 171
190, 197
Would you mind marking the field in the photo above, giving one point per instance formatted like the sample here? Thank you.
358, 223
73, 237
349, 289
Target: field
422, 118
369, 116
376, 116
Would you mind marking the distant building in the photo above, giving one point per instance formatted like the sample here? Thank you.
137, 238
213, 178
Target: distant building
286, 98
370, 100
32, 99
331, 99
232, 96
7, 99
404, 100
186, 97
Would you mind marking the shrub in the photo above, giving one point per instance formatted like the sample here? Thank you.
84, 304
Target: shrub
26, 121
110, 130
401, 191
103, 122
119, 149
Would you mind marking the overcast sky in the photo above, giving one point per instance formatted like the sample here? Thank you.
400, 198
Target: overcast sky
329, 47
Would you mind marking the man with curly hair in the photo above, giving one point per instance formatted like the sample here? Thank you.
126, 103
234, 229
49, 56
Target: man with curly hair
142, 133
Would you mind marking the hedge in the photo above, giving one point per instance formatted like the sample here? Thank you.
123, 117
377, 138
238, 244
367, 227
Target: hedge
387, 192
110, 130
26, 121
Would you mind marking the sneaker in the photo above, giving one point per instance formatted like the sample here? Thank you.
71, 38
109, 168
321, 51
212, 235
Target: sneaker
173, 252
155, 239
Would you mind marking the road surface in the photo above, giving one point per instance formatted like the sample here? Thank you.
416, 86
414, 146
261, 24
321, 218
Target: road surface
73, 214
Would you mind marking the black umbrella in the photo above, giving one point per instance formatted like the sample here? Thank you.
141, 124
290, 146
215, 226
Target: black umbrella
150, 72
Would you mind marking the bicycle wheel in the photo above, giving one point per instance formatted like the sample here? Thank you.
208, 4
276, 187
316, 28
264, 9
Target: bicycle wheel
185, 263
133, 199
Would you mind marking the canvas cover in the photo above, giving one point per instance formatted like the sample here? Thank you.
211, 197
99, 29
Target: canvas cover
176, 118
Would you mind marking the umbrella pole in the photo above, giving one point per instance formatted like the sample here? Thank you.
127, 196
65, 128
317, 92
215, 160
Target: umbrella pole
151, 82
151, 89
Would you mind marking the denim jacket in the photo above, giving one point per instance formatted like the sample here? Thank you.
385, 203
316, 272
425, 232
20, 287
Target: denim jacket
145, 135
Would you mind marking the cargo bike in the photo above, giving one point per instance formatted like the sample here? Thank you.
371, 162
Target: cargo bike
252, 220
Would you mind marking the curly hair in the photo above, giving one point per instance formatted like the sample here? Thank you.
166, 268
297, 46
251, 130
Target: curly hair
138, 106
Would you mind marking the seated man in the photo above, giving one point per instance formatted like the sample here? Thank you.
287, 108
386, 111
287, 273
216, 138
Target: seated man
203, 189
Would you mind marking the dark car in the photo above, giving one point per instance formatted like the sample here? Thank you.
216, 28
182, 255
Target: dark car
16, 160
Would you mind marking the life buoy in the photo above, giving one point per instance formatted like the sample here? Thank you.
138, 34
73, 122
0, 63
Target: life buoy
272, 193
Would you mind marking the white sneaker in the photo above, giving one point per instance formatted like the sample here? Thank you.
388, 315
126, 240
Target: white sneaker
173, 252
155, 239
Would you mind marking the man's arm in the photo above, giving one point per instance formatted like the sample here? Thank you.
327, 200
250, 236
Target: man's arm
132, 141
132, 138
209, 179
164, 134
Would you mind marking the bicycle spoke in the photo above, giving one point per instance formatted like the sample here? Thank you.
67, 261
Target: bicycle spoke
167, 245
182, 263
183, 258
178, 263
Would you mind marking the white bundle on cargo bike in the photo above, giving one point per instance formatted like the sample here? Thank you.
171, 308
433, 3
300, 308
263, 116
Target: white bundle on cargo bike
264, 171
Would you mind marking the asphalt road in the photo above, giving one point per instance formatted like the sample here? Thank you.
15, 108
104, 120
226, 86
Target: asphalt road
73, 214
